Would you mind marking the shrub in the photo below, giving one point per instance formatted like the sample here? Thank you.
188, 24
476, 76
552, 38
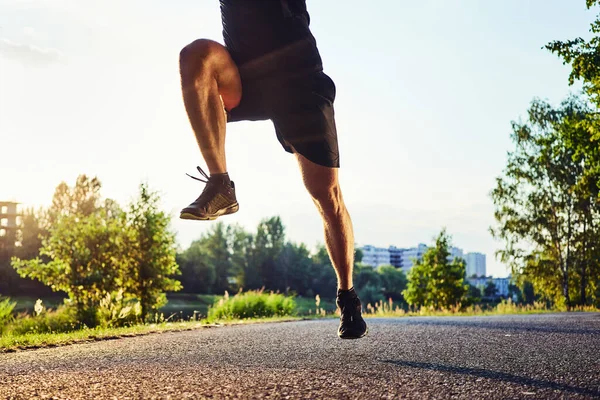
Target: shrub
252, 304
116, 311
63, 319
6, 309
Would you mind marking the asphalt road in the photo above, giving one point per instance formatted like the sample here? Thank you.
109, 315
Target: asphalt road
500, 357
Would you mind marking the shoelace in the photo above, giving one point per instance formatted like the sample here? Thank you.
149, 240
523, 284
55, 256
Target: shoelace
204, 174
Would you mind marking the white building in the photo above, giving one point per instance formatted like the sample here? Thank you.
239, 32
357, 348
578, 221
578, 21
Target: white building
408, 255
375, 256
400, 257
475, 264
500, 283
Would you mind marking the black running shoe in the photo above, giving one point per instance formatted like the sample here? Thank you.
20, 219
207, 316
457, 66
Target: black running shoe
352, 324
217, 198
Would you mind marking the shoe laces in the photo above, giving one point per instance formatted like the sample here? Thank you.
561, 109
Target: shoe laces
204, 174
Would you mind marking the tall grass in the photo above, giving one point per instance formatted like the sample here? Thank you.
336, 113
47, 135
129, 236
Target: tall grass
251, 304
388, 309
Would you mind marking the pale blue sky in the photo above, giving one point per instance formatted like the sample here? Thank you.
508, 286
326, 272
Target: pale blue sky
426, 91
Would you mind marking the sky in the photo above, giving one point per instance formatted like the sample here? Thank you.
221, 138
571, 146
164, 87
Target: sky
426, 92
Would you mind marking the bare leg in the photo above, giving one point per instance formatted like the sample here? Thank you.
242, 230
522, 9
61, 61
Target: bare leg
323, 186
210, 82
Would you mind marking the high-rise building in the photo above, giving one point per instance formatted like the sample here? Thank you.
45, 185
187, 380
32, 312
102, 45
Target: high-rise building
475, 264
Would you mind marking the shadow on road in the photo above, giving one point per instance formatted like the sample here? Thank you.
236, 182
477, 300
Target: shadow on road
495, 375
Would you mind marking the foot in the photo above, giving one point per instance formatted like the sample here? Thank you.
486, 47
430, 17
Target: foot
352, 324
217, 198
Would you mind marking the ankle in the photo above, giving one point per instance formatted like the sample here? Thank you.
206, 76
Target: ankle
223, 177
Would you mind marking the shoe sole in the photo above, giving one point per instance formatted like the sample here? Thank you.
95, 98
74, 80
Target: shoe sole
354, 337
225, 211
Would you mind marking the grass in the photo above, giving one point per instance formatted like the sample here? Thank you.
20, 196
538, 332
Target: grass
305, 308
388, 310
10, 342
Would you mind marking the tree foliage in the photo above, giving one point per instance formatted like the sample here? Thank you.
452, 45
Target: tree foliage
547, 204
93, 249
151, 253
435, 281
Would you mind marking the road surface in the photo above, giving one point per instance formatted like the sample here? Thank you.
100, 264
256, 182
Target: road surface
549, 356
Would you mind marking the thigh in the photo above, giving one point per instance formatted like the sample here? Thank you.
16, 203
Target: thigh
304, 119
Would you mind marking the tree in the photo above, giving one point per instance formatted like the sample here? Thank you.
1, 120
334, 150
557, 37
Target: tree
393, 281
268, 244
490, 289
295, 263
322, 275
243, 269
87, 259
473, 294
434, 281
546, 206
151, 246
197, 274
583, 57
81, 199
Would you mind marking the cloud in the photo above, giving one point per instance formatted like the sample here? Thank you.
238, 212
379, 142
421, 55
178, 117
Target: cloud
28, 53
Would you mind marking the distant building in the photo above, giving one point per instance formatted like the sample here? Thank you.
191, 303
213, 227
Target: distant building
10, 219
475, 264
501, 286
500, 283
399, 257
375, 256
396, 256
409, 255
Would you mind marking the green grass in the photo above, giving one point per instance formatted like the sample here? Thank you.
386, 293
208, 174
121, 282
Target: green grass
247, 309
12, 342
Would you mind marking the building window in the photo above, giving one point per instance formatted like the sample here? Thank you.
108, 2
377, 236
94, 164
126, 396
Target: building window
2, 232
4, 222
4, 210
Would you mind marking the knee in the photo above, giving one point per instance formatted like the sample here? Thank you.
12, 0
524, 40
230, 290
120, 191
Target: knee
328, 198
196, 58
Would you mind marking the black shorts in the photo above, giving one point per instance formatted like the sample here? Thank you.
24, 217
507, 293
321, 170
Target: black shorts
300, 106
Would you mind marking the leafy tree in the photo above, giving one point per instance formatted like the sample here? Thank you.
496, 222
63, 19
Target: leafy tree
197, 274
393, 281
545, 203
81, 199
434, 281
323, 277
584, 56
151, 248
473, 294
243, 267
490, 289
295, 264
268, 244
88, 258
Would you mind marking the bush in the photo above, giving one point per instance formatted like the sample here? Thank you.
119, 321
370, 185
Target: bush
63, 319
6, 309
252, 304
116, 311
